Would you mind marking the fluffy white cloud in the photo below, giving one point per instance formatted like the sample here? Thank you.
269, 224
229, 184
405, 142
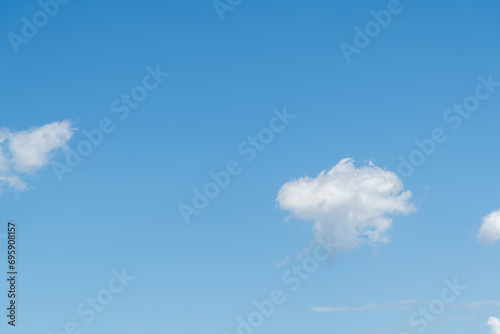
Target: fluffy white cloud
490, 229
348, 204
29, 150
494, 324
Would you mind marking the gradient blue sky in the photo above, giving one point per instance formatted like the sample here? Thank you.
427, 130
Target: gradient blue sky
119, 208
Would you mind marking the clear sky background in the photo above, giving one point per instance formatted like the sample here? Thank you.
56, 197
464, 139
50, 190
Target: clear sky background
119, 207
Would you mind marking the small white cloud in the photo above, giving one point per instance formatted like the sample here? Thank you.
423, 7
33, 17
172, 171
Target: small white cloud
14, 182
494, 324
490, 229
29, 150
348, 204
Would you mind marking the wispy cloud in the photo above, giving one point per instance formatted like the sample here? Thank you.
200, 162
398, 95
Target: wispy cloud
396, 305
399, 305
282, 262
449, 319
477, 304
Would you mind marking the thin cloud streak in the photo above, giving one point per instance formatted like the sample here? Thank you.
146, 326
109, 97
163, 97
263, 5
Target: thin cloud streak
396, 305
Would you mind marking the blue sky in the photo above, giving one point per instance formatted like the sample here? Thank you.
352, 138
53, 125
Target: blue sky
227, 80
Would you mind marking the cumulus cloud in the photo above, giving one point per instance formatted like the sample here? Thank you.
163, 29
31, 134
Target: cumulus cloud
348, 204
494, 324
490, 229
25, 152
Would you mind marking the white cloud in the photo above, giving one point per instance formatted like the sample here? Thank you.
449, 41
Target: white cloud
348, 204
490, 229
397, 305
14, 182
494, 324
29, 150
